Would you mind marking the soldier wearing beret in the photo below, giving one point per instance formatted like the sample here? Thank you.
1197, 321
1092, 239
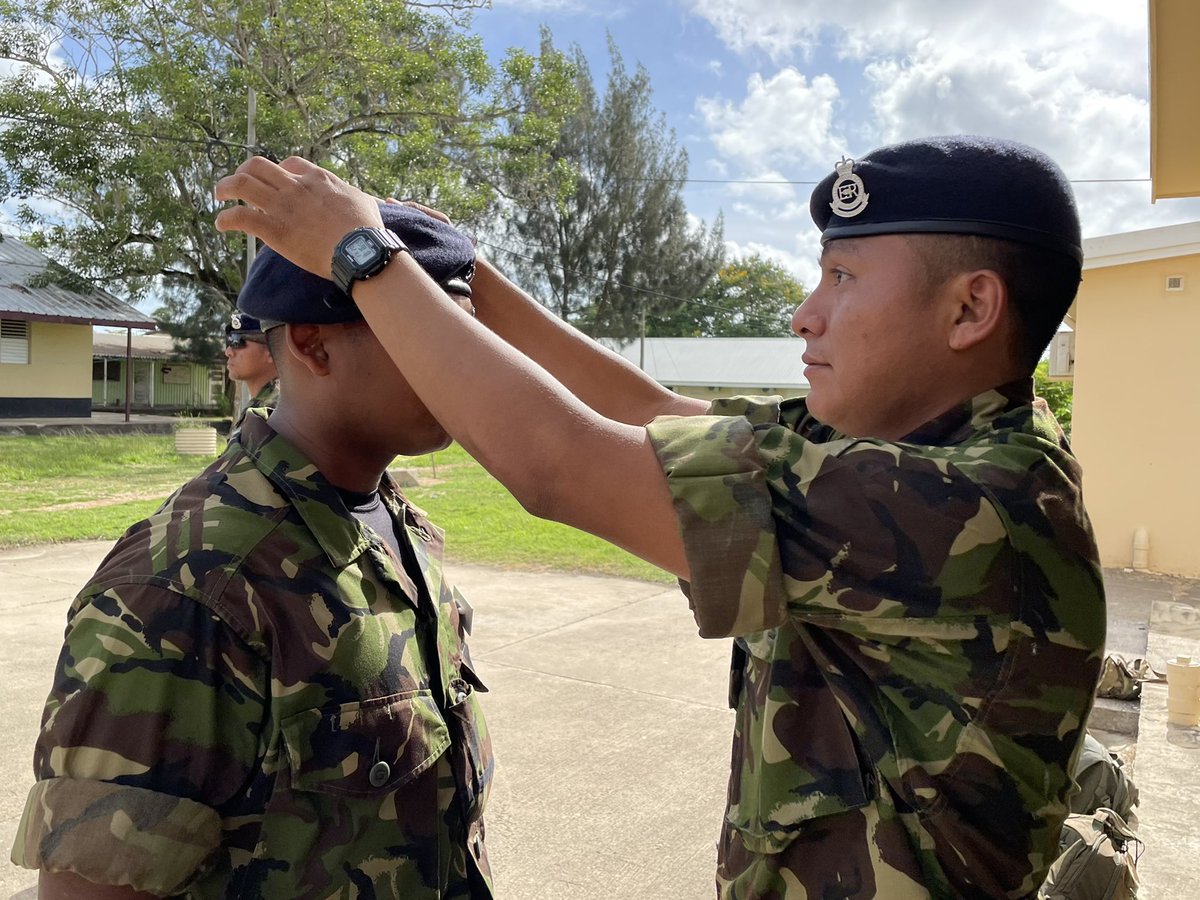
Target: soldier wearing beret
248, 360
903, 556
265, 690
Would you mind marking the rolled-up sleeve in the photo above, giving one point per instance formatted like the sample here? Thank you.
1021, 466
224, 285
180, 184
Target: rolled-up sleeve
113, 834
150, 737
718, 481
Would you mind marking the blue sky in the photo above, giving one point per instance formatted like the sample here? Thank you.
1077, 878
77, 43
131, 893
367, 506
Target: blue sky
778, 90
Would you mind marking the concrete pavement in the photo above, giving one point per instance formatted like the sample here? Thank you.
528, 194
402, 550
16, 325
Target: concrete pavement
609, 724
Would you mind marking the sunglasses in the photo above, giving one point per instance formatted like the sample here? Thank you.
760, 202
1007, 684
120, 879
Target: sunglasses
238, 341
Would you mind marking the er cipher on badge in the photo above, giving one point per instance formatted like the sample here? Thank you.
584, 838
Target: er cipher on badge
849, 195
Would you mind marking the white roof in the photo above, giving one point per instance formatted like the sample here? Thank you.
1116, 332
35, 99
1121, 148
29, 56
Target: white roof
145, 346
1141, 246
749, 363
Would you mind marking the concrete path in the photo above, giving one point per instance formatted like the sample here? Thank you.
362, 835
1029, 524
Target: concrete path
609, 724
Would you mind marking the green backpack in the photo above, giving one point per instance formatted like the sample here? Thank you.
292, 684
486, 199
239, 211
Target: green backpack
1103, 782
1097, 860
1098, 847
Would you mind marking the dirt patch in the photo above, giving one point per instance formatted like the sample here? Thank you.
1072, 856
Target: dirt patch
110, 500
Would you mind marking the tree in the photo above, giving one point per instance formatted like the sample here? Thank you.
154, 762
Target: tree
617, 244
1057, 394
126, 112
748, 297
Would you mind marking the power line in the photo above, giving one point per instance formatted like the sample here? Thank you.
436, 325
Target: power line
242, 147
648, 291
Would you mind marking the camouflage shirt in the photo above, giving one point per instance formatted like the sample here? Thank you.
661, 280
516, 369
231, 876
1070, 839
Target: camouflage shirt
267, 398
920, 630
256, 698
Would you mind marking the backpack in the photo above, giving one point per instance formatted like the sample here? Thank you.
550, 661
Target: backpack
1103, 783
1097, 860
1121, 679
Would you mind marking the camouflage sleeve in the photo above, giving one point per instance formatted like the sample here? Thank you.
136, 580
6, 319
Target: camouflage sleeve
149, 735
718, 483
776, 524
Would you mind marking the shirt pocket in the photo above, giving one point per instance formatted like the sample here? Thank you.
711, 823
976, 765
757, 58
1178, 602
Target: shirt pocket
367, 748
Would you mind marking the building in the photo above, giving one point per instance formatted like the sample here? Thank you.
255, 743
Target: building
1174, 123
708, 368
46, 319
1136, 411
162, 379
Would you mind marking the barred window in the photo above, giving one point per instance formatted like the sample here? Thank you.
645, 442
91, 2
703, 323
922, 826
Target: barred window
14, 341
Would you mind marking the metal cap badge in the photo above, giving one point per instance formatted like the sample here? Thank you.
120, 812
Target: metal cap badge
849, 194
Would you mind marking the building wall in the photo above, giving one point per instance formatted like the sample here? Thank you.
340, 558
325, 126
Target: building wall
1136, 415
57, 380
176, 385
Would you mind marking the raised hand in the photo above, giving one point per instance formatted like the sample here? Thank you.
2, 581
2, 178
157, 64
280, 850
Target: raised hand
295, 207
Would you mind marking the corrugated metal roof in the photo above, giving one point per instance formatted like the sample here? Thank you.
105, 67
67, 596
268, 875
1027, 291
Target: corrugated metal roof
22, 297
111, 344
750, 363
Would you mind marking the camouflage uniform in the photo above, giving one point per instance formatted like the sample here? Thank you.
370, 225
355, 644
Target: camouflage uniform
257, 699
267, 398
921, 626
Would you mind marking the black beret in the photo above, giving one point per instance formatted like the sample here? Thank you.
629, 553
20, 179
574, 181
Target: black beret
951, 185
278, 291
240, 323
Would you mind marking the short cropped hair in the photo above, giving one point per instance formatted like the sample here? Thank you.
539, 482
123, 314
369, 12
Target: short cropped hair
1041, 283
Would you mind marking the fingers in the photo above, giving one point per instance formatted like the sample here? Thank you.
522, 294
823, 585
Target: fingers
428, 210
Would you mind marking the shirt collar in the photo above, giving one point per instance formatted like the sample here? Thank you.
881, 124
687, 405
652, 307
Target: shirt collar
315, 500
980, 412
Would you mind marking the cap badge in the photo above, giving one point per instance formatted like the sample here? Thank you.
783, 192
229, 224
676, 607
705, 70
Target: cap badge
849, 195
235, 320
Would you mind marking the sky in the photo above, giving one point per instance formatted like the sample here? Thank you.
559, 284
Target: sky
779, 90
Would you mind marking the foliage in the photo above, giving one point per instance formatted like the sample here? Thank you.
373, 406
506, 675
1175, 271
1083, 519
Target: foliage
1058, 394
748, 297
618, 244
126, 113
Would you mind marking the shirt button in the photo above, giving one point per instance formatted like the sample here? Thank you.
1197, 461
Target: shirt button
379, 774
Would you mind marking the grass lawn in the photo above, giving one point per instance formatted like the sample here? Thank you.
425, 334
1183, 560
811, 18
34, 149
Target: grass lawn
80, 487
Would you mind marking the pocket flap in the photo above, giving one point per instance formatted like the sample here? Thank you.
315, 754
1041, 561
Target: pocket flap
365, 748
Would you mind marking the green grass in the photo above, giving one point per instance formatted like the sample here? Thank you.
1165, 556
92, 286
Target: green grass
66, 488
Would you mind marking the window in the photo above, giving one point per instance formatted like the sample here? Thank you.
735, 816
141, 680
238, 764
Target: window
14, 342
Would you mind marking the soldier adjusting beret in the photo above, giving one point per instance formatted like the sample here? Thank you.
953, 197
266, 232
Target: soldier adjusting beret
951, 185
278, 291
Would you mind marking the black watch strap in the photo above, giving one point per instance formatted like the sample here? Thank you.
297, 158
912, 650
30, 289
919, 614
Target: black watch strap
361, 254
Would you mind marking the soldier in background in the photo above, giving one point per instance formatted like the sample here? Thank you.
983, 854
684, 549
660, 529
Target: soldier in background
249, 362
265, 690
903, 556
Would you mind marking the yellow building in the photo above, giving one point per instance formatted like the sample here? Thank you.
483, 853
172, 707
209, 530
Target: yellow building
1136, 413
46, 319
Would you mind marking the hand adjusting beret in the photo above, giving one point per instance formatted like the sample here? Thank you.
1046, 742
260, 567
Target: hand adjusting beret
279, 292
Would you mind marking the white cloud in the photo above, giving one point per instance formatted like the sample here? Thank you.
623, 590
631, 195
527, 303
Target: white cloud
785, 118
1068, 76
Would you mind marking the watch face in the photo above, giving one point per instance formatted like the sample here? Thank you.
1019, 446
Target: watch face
361, 250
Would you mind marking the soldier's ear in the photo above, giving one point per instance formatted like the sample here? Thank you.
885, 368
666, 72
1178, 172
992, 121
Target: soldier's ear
981, 303
306, 343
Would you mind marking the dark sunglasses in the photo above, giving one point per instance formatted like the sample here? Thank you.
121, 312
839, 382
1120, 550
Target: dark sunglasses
238, 341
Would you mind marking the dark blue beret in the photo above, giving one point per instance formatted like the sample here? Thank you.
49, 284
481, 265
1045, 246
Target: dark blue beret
279, 292
240, 323
951, 185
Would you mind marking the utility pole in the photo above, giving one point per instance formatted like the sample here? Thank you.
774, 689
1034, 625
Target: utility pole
251, 142
642, 348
